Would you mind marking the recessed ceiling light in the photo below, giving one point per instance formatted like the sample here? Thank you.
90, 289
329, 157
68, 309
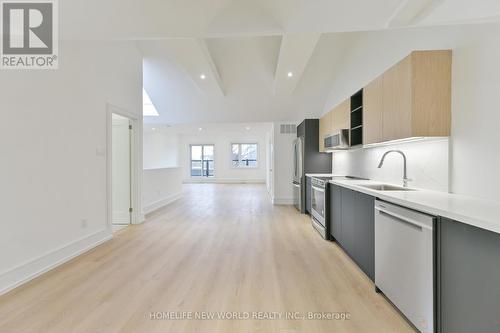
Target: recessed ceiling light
203, 77
200, 129
290, 74
154, 128
247, 128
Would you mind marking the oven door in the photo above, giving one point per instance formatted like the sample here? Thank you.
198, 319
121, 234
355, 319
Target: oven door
318, 204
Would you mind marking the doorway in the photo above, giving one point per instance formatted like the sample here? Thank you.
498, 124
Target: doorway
202, 160
123, 174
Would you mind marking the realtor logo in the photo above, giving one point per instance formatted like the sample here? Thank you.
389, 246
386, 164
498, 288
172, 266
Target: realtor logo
29, 33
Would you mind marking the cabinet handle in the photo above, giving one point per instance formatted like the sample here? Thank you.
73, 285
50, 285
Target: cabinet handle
404, 219
319, 189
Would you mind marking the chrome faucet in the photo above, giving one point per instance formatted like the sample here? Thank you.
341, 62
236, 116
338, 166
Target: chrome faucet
405, 176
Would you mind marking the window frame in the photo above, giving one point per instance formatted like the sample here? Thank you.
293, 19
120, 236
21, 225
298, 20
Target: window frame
239, 143
191, 160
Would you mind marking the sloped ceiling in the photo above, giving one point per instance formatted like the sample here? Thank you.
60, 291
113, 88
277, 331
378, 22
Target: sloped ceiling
247, 69
245, 49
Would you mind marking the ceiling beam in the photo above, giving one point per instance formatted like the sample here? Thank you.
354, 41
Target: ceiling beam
193, 56
295, 52
213, 72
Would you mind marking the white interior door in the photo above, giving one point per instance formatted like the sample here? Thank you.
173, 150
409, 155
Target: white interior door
121, 170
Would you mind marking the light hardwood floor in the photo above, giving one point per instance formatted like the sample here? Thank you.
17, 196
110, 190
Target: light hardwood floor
219, 248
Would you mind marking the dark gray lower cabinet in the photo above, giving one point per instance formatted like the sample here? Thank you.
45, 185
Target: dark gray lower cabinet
335, 213
468, 278
352, 224
347, 211
308, 194
364, 231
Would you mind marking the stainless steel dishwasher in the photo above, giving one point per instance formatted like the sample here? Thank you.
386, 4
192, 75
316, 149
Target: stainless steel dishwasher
404, 265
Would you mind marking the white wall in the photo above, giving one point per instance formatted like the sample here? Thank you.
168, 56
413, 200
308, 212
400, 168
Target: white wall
476, 79
476, 115
161, 147
53, 173
160, 187
222, 135
282, 165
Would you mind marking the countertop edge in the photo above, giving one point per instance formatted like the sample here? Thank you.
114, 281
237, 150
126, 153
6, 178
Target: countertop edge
466, 219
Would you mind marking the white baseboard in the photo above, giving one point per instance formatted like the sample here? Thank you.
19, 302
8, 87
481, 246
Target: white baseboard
31, 269
224, 181
149, 208
282, 201
121, 217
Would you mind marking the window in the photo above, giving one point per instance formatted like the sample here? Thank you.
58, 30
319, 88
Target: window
148, 108
202, 160
244, 155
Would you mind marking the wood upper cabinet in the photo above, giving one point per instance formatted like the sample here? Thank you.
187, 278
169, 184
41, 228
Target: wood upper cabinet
411, 99
341, 116
396, 97
373, 108
431, 93
325, 128
338, 118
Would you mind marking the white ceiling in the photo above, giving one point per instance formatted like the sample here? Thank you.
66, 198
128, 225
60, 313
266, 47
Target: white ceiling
246, 49
145, 19
247, 68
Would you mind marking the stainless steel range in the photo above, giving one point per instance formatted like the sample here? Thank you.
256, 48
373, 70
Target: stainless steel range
319, 201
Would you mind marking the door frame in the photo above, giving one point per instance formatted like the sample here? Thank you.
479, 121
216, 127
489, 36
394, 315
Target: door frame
135, 184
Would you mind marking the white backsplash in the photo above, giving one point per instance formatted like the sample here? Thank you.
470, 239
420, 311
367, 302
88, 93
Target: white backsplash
428, 164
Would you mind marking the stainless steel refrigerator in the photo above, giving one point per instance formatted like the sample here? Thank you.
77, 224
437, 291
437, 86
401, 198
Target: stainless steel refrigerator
307, 159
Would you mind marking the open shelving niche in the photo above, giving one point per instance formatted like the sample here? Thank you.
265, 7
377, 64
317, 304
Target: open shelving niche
357, 119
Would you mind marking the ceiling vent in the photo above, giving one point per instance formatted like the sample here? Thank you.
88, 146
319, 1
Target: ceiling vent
288, 129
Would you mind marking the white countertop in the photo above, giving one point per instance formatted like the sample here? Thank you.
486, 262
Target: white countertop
477, 212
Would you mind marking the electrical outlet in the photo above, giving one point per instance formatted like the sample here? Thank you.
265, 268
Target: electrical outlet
84, 223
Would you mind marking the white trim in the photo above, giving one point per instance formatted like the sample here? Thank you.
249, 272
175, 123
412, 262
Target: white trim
282, 201
161, 203
31, 269
118, 227
223, 181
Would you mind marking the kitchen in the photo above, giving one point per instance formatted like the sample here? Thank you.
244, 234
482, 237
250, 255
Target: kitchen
400, 234
281, 166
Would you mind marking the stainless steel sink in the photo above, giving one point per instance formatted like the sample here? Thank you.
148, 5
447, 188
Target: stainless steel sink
384, 187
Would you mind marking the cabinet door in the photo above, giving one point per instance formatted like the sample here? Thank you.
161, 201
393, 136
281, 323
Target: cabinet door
373, 107
468, 278
324, 129
347, 211
397, 97
364, 233
341, 116
336, 213
431, 99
